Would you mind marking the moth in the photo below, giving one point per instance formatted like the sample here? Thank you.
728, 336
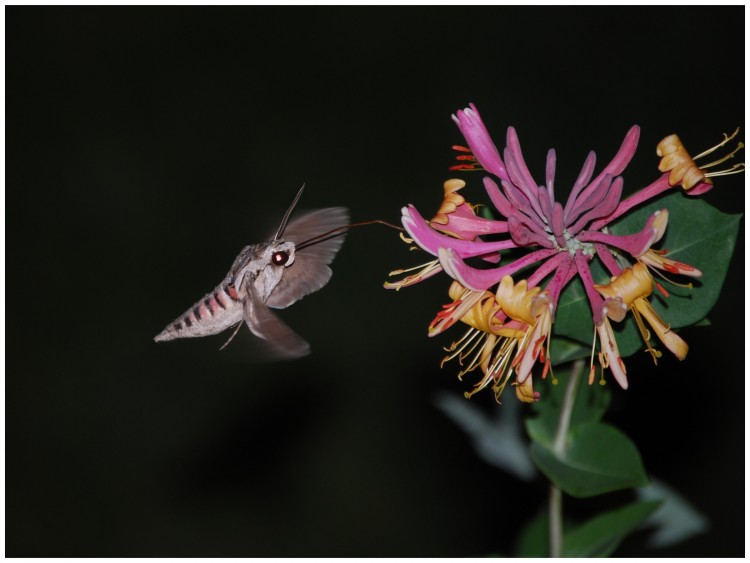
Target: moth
269, 275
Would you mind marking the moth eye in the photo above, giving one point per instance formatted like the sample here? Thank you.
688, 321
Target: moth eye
280, 258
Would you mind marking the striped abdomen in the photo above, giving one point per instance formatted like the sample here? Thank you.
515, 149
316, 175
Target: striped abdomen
216, 312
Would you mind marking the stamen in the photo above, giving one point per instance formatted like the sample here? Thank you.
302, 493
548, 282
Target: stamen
425, 270
725, 158
727, 138
736, 169
645, 335
463, 355
592, 369
458, 346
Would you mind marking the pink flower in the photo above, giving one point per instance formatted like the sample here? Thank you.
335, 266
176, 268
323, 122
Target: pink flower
550, 243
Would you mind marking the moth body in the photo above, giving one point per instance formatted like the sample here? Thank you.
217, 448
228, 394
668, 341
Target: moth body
271, 274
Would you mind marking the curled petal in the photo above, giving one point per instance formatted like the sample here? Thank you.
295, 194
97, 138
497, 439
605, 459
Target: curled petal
633, 283
479, 140
430, 240
680, 165
457, 218
525, 391
637, 243
452, 200
519, 302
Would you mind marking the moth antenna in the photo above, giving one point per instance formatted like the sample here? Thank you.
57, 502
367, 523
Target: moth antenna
333, 232
236, 330
285, 219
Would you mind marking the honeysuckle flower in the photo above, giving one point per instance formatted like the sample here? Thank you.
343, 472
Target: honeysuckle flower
508, 330
549, 244
682, 167
629, 291
457, 219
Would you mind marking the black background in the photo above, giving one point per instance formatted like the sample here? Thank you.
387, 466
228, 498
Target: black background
146, 146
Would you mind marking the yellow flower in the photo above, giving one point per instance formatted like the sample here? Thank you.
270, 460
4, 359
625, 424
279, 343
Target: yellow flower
629, 291
683, 169
451, 201
509, 333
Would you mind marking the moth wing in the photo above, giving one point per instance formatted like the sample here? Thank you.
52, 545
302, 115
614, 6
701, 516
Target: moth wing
310, 270
264, 323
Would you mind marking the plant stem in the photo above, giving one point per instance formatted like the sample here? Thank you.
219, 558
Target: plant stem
558, 447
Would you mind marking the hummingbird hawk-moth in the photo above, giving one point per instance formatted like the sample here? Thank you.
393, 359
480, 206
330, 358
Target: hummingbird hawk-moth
267, 275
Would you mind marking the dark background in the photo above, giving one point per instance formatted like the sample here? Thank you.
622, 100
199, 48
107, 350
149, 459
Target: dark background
146, 146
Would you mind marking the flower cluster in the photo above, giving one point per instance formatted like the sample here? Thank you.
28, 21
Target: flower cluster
537, 245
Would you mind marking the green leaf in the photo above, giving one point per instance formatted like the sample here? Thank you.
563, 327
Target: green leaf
590, 404
533, 541
601, 535
699, 235
598, 459
562, 350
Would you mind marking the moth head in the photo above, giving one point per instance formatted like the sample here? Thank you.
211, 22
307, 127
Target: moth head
280, 253
277, 257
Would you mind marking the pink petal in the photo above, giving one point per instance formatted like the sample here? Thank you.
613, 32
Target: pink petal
431, 240
525, 233
465, 224
471, 126
550, 174
479, 280
700, 189
500, 202
635, 244
595, 300
583, 179
623, 156
605, 207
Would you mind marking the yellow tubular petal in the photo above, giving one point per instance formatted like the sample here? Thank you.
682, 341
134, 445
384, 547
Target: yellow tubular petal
516, 301
682, 168
525, 392
631, 284
674, 343
451, 200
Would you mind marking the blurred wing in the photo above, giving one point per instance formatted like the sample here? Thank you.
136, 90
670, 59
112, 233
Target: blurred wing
264, 323
310, 270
